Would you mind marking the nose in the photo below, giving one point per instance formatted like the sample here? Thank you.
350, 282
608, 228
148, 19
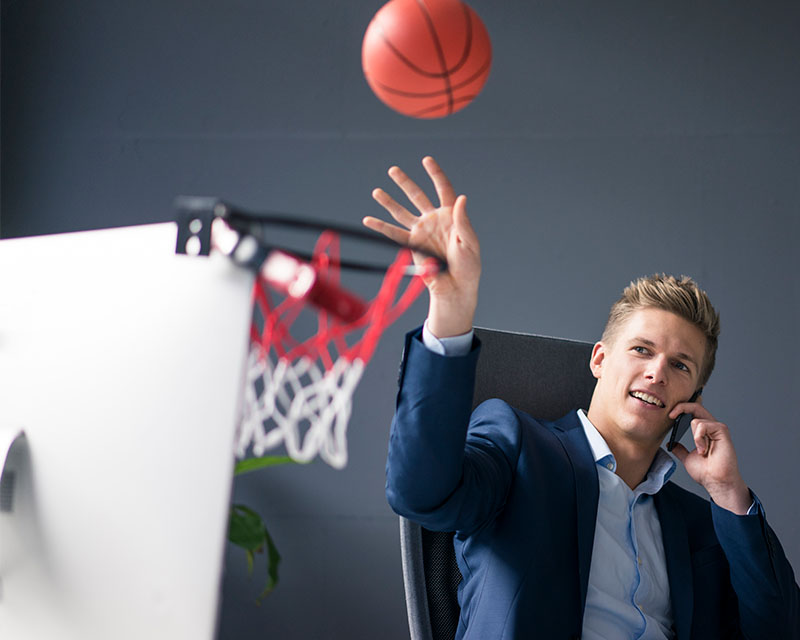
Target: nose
656, 371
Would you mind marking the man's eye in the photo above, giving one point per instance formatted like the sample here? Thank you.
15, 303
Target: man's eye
681, 366
640, 350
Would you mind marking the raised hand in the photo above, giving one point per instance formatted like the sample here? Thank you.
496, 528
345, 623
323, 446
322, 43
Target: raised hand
713, 462
444, 230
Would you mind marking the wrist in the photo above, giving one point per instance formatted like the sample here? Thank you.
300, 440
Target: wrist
734, 497
447, 319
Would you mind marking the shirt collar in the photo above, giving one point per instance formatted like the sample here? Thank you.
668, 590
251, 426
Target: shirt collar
602, 454
661, 469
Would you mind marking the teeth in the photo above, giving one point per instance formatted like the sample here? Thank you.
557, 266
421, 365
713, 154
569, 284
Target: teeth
647, 398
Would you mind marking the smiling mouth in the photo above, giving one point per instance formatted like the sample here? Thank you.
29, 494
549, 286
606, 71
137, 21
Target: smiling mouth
647, 398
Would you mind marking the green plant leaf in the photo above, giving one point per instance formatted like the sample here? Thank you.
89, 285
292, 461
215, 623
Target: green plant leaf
253, 464
246, 530
274, 559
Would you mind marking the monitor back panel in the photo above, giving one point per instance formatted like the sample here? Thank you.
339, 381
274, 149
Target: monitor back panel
122, 363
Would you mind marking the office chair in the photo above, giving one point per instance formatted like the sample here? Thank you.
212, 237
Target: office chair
545, 377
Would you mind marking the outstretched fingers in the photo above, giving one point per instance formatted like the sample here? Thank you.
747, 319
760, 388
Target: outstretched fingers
414, 194
444, 189
393, 232
395, 209
444, 230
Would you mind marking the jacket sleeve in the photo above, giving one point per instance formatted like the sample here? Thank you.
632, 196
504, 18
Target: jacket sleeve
761, 576
448, 469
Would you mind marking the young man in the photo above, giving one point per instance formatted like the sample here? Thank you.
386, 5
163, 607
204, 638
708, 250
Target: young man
570, 529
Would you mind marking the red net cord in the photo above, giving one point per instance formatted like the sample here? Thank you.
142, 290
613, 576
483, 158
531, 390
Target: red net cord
372, 318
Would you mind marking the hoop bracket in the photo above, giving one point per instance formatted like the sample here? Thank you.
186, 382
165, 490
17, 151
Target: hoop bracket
194, 217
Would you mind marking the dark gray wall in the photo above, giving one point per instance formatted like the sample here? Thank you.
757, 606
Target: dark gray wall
613, 139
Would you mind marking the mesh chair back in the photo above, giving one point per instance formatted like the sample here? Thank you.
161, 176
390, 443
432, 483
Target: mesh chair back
545, 377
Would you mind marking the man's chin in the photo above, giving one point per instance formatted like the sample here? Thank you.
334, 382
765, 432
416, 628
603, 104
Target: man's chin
647, 434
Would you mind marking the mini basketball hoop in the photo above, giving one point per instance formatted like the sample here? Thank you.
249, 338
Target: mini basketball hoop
298, 391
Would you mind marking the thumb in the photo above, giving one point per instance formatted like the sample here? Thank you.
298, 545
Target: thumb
464, 231
680, 452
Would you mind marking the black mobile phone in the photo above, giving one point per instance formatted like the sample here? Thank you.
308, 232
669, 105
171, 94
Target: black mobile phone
682, 423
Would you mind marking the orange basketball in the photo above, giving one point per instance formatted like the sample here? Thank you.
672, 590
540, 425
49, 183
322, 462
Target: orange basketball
426, 58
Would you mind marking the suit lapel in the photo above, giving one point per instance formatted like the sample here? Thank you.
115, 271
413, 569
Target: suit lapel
679, 562
570, 432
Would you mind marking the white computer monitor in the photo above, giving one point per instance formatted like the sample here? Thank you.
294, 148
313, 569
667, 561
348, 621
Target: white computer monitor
121, 363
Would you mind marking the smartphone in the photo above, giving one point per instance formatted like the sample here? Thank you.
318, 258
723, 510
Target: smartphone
682, 423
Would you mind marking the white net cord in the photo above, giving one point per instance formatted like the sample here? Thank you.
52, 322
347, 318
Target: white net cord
298, 404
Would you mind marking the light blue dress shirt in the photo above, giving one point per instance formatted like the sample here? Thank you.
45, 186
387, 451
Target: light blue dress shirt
628, 595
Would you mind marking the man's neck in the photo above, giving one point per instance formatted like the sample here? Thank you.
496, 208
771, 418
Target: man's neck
633, 458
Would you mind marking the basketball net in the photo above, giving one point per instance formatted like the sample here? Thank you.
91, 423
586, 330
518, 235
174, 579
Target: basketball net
299, 393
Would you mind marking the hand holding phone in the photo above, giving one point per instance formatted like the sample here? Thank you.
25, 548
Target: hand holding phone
682, 423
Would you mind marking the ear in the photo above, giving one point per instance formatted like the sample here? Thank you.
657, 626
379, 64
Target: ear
596, 361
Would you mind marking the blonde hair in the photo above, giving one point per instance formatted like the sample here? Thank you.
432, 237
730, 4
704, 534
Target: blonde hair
681, 296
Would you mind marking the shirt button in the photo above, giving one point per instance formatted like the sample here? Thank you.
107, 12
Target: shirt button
639, 560
610, 465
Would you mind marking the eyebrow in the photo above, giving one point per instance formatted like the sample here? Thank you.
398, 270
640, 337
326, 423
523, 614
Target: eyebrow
681, 355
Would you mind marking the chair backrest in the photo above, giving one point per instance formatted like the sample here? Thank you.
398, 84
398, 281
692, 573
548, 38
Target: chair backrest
545, 377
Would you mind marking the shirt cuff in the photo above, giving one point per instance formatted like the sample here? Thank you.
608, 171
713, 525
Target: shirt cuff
755, 506
450, 346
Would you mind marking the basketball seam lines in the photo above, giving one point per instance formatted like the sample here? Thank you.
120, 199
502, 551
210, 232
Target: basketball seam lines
411, 94
441, 104
439, 53
467, 41
409, 63
420, 70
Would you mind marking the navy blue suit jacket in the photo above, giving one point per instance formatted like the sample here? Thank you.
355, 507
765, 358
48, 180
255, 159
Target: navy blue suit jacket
521, 495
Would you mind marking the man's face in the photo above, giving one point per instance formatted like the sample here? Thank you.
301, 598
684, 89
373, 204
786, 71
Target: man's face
652, 363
